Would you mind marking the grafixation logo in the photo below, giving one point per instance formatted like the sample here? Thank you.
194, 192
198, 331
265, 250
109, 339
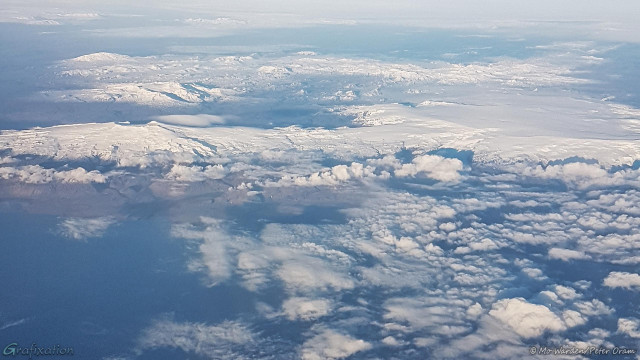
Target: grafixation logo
14, 349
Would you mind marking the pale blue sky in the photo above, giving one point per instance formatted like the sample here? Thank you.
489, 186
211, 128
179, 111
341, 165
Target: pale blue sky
613, 10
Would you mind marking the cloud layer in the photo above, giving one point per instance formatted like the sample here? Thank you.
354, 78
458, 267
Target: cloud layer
363, 210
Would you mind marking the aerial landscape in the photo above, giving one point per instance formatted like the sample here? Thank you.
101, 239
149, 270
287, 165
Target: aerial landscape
320, 180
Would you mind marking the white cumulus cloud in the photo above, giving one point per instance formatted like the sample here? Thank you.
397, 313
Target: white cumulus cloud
312, 274
567, 254
629, 326
196, 173
224, 340
83, 228
305, 308
623, 280
433, 166
330, 344
526, 319
36, 174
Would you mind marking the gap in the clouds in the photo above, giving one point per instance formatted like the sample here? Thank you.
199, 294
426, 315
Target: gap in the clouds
375, 41
254, 216
387, 42
634, 166
405, 155
465, 156
95, 295
574, 270
572, 159
98, 294
148, 209
89, 163
542, 185
24, 113
617, 76
329, 161
265, 113
168, 353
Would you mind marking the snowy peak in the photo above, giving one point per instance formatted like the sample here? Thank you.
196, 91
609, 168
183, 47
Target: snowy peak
100, 57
